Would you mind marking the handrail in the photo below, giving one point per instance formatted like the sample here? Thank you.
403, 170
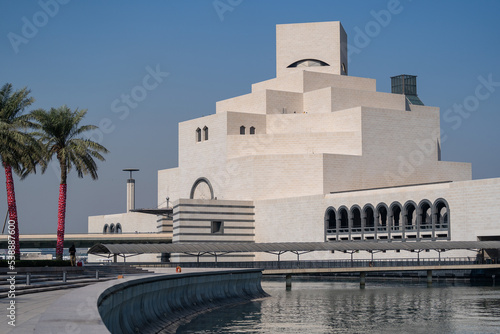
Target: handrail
344, 263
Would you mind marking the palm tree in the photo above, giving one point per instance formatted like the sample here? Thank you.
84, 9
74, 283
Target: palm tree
19, 150
61, 135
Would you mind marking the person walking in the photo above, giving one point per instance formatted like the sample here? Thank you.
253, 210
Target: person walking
72, 255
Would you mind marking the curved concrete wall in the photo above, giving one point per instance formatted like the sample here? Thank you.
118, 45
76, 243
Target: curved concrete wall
149, 304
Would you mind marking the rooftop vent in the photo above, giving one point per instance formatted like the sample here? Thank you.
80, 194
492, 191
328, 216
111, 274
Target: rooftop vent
407, 85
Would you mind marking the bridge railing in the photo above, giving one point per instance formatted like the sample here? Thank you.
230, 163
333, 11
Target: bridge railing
399, 262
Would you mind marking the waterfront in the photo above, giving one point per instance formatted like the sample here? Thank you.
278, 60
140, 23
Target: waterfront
342, 307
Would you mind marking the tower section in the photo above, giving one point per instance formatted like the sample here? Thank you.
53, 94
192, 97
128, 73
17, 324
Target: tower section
319, 47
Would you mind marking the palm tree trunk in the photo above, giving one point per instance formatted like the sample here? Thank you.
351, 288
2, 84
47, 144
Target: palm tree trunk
12, 207
61, 215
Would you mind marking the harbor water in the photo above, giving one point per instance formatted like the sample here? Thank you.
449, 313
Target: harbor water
342, 307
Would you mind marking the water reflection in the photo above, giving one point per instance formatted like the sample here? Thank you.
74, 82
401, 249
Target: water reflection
333, 307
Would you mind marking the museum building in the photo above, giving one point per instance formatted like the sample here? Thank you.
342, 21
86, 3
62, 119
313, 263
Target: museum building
316, 155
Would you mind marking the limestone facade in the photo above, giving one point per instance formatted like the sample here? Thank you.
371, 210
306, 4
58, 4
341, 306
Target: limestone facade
317, 155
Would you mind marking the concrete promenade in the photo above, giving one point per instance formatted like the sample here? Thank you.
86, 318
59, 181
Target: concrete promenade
76, 311
29, 308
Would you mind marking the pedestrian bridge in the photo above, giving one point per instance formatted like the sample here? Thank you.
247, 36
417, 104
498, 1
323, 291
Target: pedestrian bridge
86, 240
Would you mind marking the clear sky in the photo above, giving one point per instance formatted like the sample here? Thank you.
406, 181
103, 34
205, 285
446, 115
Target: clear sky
95, 55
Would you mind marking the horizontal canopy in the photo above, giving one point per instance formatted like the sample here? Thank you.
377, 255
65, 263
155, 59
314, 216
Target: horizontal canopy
282, 247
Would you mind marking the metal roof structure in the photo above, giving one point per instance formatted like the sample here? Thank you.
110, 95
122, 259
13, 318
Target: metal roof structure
86, 240
283, 247
155, 211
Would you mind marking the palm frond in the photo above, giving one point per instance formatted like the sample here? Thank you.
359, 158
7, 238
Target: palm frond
62, 135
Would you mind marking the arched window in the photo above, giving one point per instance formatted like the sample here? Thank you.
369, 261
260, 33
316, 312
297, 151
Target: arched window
425, 214
369, 218
105, 229
118, 228
202, 189
242, 130
356, 218
396, 215
252, 130
344, 219
112, 228
410, 215
330, 219
198, 135
205, 133
382, 215
442, 213
308, 63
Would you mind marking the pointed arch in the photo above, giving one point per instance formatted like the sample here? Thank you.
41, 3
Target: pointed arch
202, 182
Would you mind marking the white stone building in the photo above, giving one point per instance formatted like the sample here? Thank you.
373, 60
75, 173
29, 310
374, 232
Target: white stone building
317, 155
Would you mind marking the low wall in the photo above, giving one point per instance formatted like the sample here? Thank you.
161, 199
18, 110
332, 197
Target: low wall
148, 304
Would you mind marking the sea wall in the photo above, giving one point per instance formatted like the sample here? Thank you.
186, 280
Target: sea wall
149, 304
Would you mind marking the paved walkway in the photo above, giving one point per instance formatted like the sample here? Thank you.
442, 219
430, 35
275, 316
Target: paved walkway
29, 308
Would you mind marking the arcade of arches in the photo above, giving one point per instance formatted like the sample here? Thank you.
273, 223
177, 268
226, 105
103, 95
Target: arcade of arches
402, 222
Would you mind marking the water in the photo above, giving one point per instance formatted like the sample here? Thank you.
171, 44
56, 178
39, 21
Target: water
342, 307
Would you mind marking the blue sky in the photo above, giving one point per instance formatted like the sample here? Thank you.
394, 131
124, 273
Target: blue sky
93, 54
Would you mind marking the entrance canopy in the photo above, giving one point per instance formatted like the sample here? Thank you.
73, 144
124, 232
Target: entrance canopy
283, 247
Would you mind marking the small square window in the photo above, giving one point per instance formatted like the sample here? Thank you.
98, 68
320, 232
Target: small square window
217, 227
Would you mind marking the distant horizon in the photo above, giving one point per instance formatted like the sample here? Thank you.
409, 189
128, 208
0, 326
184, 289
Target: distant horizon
140, 69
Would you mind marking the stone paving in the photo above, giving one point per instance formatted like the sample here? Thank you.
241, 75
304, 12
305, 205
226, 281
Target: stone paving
29, 308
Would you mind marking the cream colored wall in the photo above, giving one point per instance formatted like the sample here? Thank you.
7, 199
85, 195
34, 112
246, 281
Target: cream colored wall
254, 103
131, 222
476, 206
300, 143
236, 119
168, 185
341, 121
473, 213
307, 80
193, 223
333, 99
318, 40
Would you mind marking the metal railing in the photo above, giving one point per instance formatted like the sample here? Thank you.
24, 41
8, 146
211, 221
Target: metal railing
354, 263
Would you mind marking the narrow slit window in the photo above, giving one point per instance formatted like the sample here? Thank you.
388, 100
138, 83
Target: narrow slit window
242, 130
252, 130
205, 133
198, 135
